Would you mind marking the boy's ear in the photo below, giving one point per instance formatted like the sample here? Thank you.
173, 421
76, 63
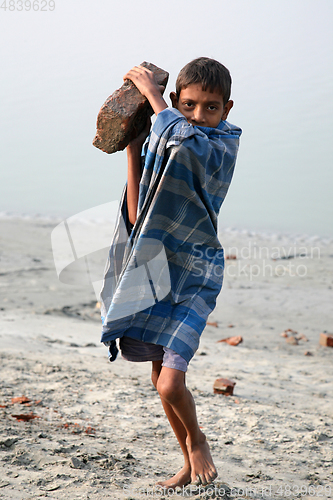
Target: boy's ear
174, 99
227, 109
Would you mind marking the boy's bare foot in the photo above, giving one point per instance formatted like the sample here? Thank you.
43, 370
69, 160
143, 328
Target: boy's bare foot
182, 478
203, 470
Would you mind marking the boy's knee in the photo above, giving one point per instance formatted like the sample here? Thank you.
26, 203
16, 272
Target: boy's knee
170, 390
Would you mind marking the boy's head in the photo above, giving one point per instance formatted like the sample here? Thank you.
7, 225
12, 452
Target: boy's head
202, 92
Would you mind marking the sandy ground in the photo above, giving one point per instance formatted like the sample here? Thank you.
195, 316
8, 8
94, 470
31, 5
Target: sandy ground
100, 431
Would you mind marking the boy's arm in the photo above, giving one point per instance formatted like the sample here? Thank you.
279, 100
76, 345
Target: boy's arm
134, 172
145, 82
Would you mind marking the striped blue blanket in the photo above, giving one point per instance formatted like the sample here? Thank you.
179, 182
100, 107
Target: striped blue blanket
163, 276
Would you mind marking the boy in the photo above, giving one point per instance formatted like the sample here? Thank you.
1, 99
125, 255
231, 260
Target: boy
174, 198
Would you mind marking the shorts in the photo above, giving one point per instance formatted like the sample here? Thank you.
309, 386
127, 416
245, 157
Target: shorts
136, 350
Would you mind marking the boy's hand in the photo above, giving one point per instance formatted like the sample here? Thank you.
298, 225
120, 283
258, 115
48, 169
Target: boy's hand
145, 82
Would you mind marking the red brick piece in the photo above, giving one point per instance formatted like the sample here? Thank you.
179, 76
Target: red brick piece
326, 340
292, 340
124, 111
224, 386
21, 400
212, 323
232, 340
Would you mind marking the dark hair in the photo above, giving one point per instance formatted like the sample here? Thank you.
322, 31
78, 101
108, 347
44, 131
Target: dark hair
210, 73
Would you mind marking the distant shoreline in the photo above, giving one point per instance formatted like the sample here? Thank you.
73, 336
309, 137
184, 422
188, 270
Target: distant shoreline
251, 233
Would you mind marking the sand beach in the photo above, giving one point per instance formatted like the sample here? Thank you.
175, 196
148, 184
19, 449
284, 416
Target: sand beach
75, 426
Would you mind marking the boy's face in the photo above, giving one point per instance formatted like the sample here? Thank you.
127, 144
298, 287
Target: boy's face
201, 107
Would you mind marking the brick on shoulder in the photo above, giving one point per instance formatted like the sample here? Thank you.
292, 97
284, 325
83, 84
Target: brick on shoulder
125, 110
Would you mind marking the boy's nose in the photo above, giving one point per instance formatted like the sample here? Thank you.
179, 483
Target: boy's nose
199, 115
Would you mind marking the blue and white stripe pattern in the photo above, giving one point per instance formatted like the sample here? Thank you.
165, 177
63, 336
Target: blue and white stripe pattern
186, 175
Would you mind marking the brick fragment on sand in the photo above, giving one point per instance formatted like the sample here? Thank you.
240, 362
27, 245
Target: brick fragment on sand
288, 331
294, 335
25, 417
326, 340
224, 386
292, 340
212, 323
123, 112
232, 340
301, 336
21, 400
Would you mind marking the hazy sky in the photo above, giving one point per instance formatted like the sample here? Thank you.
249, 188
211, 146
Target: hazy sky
58, 67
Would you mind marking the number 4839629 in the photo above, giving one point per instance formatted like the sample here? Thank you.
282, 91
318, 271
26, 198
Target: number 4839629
19, 5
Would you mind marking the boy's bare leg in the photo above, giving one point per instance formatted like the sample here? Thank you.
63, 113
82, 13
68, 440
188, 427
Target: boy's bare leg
183, 477
173, 391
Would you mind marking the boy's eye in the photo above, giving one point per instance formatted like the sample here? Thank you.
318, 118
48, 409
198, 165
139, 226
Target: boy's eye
188, 104
212, 108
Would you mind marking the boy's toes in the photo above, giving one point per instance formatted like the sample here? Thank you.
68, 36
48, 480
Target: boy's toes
201, 480
197, 480
204, 479
213, 475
